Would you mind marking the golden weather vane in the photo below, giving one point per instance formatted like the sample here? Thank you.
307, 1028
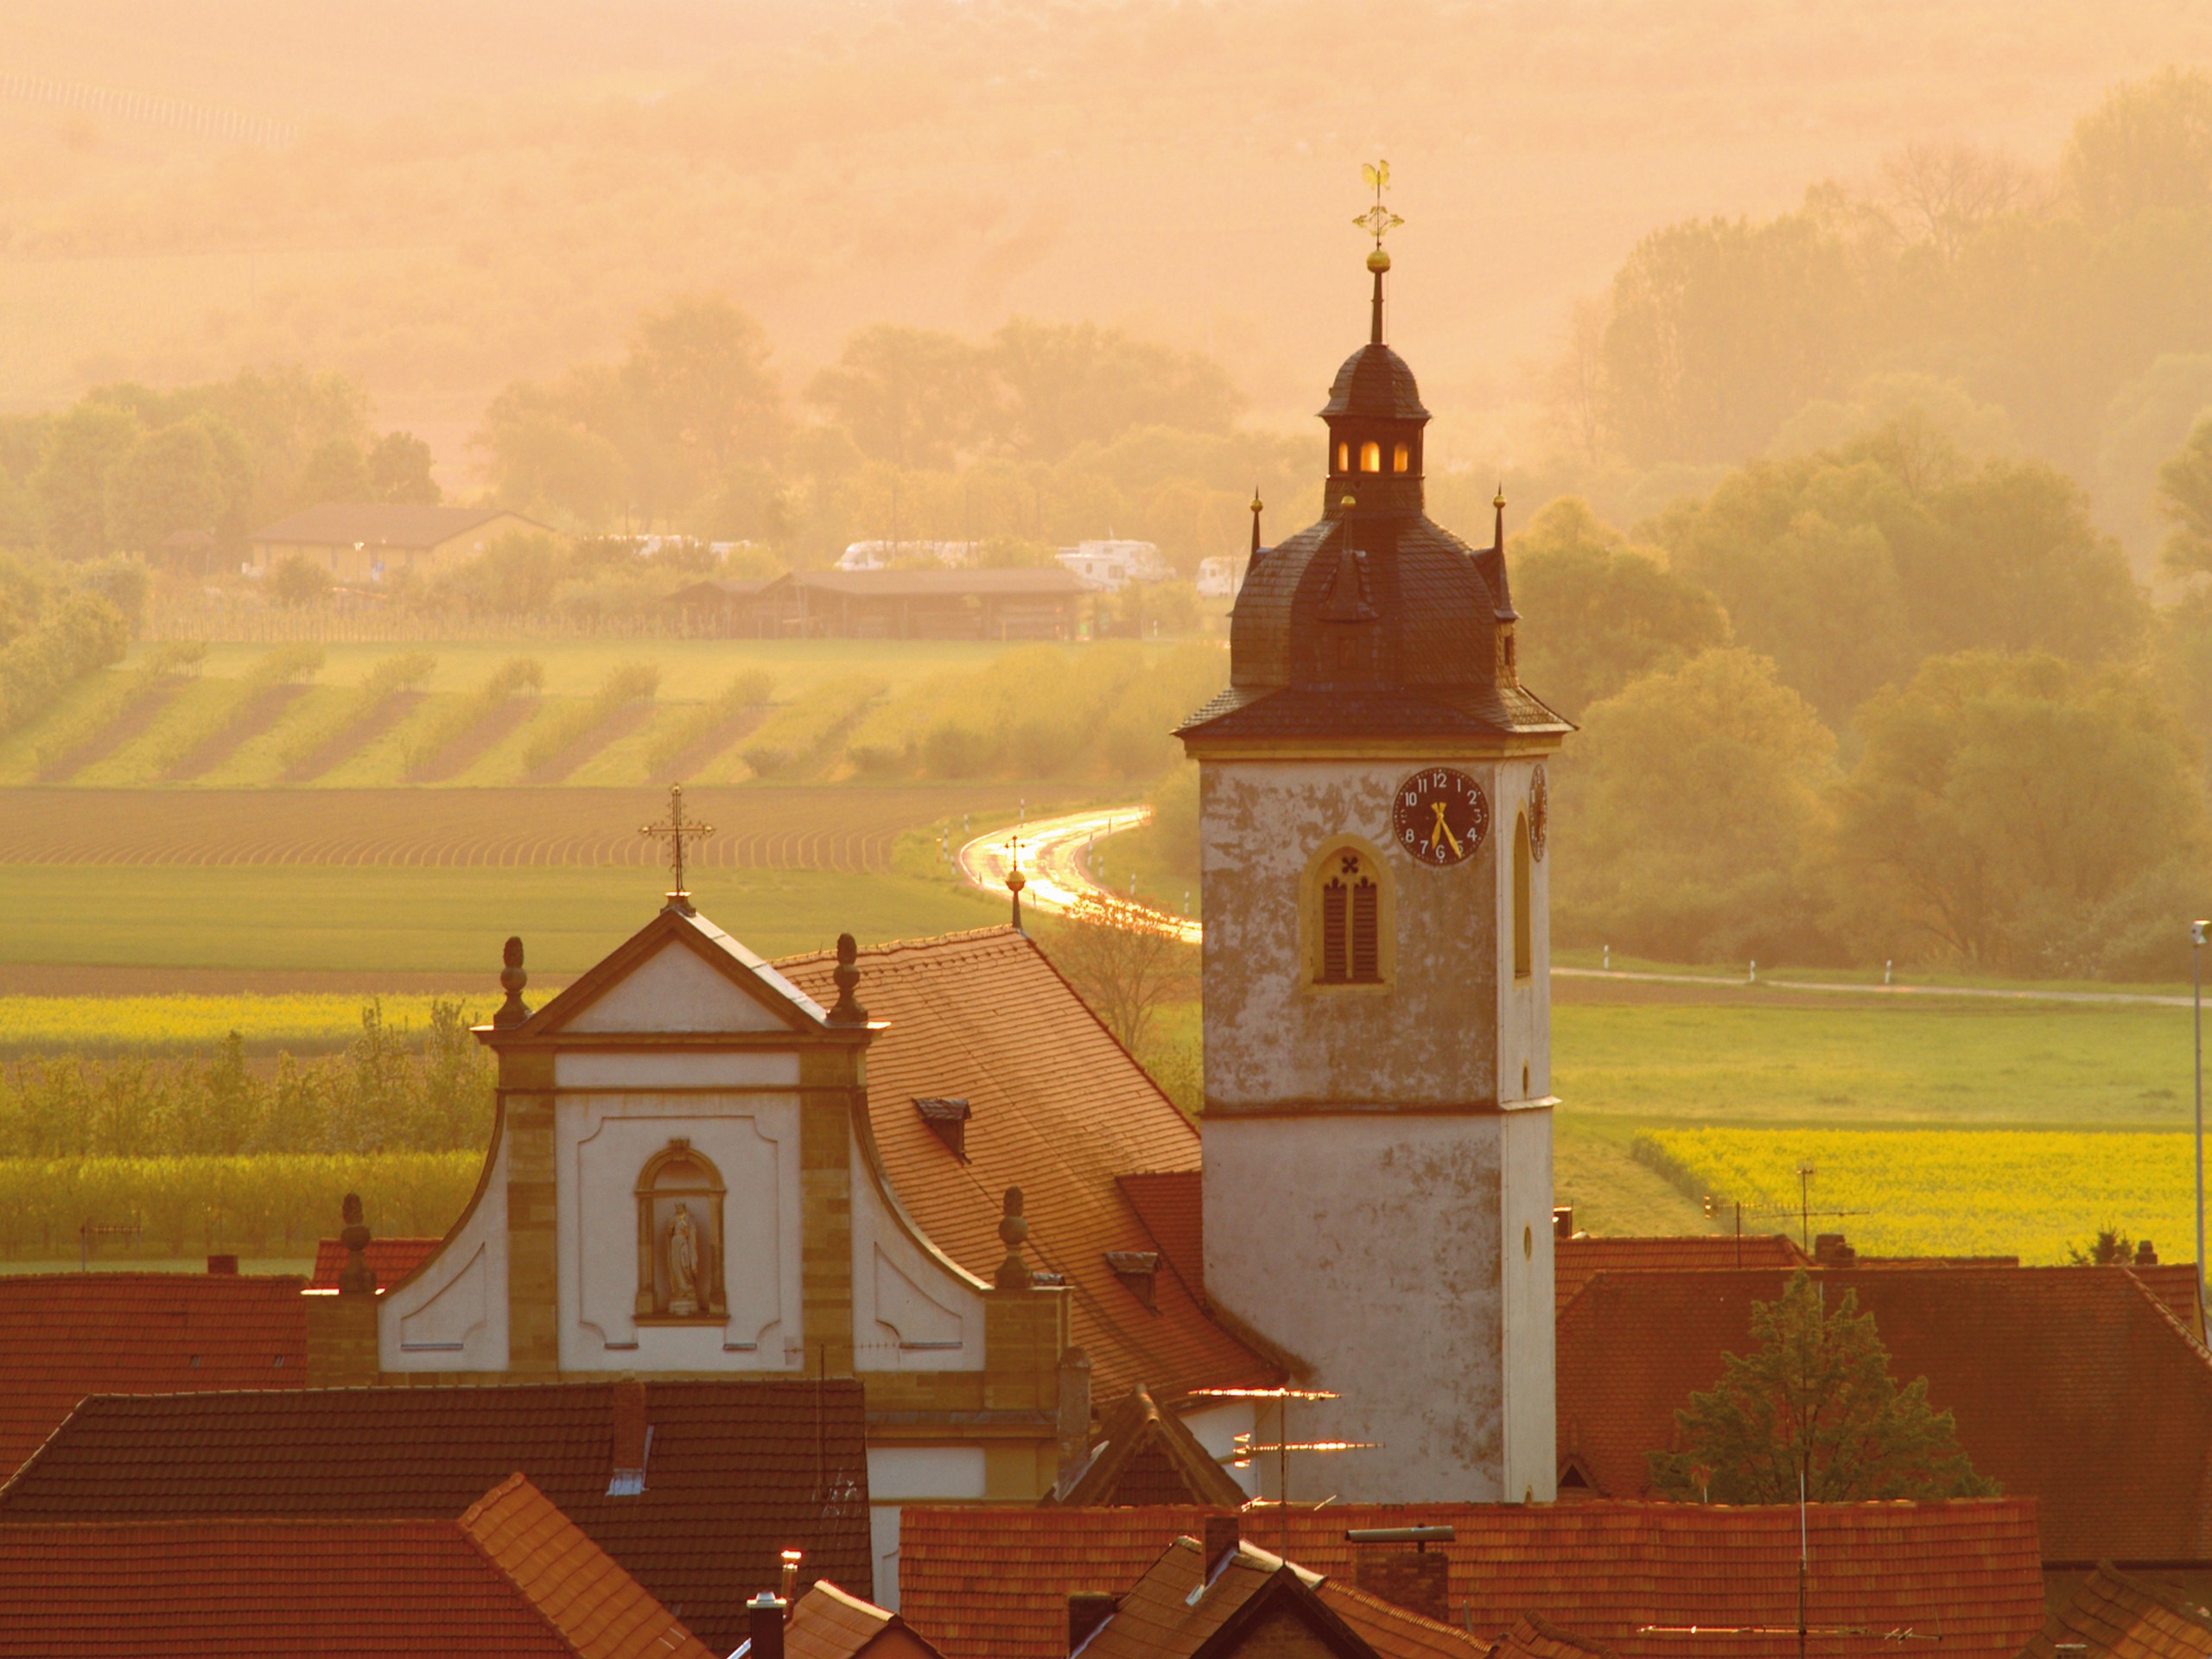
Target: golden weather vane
1378, 221
673, 832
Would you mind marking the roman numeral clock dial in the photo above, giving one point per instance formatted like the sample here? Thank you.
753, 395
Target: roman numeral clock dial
1440, 816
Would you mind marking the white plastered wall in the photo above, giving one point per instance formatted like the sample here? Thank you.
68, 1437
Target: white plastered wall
913, 1310
1531, 1409
1368, 1245
602, 1141
452, 1316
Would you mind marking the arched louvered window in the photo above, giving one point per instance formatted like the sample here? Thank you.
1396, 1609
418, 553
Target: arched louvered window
1350, 899
1343, 457
1401, 457
1370, 457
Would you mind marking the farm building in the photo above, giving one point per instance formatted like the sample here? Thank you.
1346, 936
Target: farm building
916, 603
369, 541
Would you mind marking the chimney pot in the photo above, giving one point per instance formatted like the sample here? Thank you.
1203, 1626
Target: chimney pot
767, 1613
223, 1266
1087, 1611
1221, 1537
2144, 1256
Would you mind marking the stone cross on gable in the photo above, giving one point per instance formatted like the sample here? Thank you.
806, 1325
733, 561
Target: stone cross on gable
673, 831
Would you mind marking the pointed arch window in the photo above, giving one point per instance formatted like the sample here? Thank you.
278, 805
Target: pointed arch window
1351, 923
1524, 952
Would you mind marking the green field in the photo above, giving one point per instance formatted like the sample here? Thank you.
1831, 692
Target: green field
374, 920
215, 729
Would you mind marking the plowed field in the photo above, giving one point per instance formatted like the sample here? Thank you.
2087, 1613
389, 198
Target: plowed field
848, 829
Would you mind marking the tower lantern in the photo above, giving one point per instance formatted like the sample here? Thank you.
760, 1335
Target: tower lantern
1377, 1124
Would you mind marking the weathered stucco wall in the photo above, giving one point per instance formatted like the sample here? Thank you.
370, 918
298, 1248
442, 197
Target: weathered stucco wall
1451, 1025
1367, 1246
452, 1316
1531, 1469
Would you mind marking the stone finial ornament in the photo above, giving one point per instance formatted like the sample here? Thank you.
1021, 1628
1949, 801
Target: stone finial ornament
1013, 1230
514, 1011
355, 1278
849, 1011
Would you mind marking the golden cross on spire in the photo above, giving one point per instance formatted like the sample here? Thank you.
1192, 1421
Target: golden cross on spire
673, 832
1378, 221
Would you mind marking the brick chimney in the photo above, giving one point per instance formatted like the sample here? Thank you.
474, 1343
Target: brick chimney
1221, 1537
1833, 1250
1087, 1611
223, 1266
1418, 1579
2144, 1256
766, 1613
632, 1440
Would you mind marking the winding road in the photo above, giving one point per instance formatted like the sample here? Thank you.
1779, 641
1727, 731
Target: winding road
1054, 853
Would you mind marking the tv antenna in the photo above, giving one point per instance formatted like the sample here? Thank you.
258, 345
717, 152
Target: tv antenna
1248, 1446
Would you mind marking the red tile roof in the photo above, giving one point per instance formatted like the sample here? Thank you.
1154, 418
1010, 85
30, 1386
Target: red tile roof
1397, 1632
1536, 1637
510, 1576
827, 1623
738, 1471
391, 1258
2050, 1371
992, 1584
2114, 1614
1160, 1618
66, 1335
1144, 1455
600, 1610
1172, 1205
1575, 1260
1060, 1110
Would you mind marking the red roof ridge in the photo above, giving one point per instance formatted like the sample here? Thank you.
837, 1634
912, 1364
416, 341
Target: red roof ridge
584, 1595
2202, 1356
927, 941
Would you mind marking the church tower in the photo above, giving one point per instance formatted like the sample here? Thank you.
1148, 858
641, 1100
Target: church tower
1379, 1107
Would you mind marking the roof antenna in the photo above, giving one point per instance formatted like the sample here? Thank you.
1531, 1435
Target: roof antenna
1378, 221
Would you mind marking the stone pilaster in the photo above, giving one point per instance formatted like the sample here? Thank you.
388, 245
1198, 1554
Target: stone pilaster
533, 1250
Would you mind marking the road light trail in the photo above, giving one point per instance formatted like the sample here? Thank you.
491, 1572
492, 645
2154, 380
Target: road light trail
1052, 859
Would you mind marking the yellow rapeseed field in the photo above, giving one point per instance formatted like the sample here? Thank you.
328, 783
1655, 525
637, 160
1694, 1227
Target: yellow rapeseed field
128, 1026
2024, 1193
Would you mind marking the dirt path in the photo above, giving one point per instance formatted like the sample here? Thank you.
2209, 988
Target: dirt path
133, 718
387, 714
248, 721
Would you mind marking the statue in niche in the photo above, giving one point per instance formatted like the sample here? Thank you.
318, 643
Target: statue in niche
680, 1196
682, 1264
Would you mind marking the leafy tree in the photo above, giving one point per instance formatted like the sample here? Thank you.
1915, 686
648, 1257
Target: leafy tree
911, 397
399, 471
297, 581
1997, 800
1069, 384
1687, 811
1600, 614
1813, 1411
337, 471
81, 449
2111, 1248
172, 479
2146, 148
2185, 501
1849, 566
542, 457
514, 577
698, 374
1720, 329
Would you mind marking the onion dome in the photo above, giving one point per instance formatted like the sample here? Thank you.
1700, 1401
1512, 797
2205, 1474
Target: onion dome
1375, 621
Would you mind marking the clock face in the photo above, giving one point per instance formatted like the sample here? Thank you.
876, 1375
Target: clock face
1539, 812
1440, 816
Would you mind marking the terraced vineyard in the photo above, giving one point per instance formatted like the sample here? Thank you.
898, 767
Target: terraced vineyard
846, 830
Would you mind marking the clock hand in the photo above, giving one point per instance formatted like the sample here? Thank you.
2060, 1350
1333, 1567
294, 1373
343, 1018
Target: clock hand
1444, 829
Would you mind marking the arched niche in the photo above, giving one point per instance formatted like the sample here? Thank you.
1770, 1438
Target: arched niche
680, 1192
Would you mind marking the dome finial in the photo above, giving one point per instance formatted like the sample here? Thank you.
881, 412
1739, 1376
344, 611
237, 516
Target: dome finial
1378, 221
